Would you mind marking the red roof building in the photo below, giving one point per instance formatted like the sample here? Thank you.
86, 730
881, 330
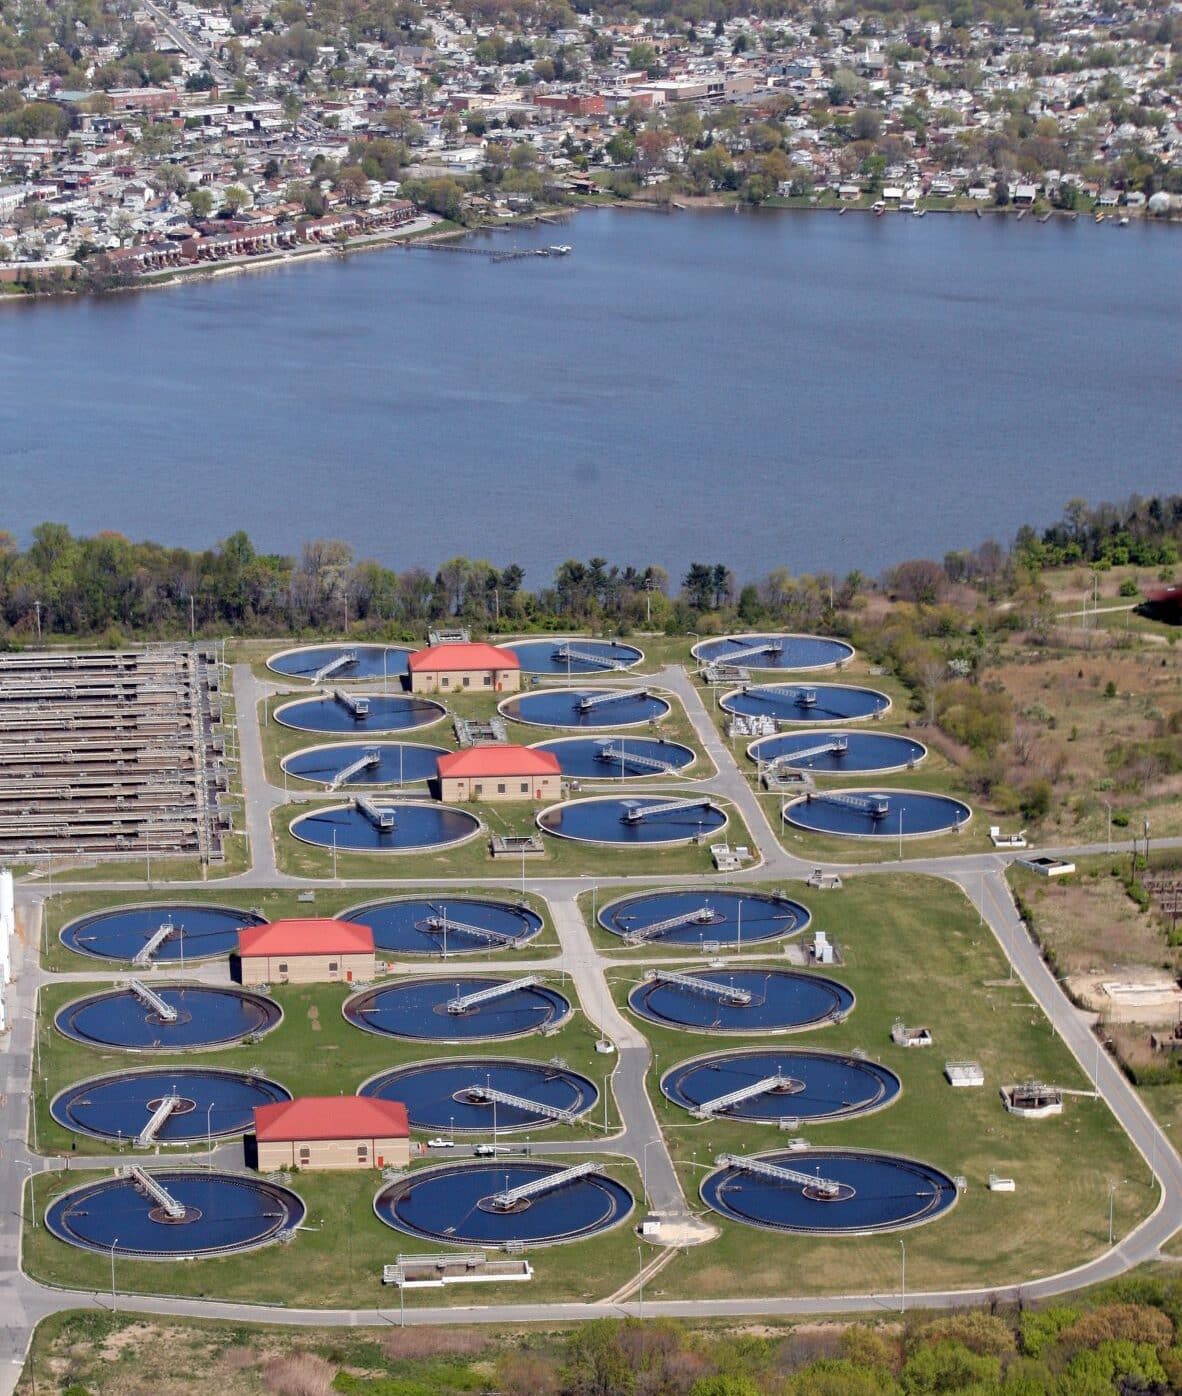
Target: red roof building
313, 950
332, 1132
467, 666
499, 773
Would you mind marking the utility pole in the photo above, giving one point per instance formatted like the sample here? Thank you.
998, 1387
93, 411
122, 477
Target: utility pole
37, 608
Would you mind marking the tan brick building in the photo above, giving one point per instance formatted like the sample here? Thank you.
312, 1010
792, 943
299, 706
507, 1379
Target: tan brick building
499, 773
335, 1131
466, 668
316, 950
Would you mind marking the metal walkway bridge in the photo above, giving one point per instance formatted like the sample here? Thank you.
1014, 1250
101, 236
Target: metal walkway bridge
151, 999
334, 666
807, 1182
494, 991
609, 753
708, 988
700, 916
380, 816
481, 1094
635, 814
590, 701
147, 952
355, 703
365, 762
173, 1210
441, 925
147, 1136
587, 657
779, 1084
506, 1201
876, 806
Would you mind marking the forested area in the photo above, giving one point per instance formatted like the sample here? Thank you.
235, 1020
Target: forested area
62, 585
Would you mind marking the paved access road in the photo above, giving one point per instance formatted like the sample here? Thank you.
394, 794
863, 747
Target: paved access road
23, 1302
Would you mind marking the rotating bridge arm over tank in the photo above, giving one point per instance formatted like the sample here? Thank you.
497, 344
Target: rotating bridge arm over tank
876, 806
444, 924
335, 665
494, 991
150, 999
750, 651
586, 657
489, 1094
769, 1085
609, 752
354, 704
590, 701
381, 819
827, 1187
700, 916
173, 1210
708, 988
147, 952
365, 762
506, 1201
836, 746
160, 1115
802, 697
636, 814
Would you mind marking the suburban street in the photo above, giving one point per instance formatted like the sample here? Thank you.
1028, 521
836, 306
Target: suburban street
981, 876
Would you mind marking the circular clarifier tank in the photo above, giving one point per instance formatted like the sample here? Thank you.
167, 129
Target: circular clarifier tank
624, 823
364, 763
195, 932
206, 1104
877, 814
464, 1008
446, 925
222, 1213
849, 1191
774, 651
768, 1085
359, 714
839, 753
461, 1095
585, 707
574, 656
741, 1001
713, 914
806, 702
617, 758
341, 663
467, 1204
193, 1016
387, 826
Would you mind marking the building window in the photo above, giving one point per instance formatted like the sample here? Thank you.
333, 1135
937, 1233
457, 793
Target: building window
467, 681
487, 680
282, 969
333, 966
362, 1152
305, 1155
525, 787
444, 681
500, 789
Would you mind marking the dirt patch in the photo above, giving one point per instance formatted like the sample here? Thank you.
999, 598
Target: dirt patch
1131, 994
314, 1017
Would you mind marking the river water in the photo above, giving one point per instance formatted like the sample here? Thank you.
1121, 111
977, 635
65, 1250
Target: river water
763, 390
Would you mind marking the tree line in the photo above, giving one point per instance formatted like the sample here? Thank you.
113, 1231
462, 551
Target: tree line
61, 585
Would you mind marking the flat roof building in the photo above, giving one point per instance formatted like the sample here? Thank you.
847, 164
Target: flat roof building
501, 772
312, 950
474, 667
336, 1131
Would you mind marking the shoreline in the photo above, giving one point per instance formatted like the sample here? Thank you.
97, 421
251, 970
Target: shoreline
561, 213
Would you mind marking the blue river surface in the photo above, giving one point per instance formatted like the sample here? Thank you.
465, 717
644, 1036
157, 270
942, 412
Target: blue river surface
764, 390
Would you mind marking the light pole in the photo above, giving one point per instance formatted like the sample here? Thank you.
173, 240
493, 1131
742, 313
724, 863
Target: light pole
902, 1276
640, 1281
114, 1243
209, 1136
1111, 1195
644, 1168
32, 1196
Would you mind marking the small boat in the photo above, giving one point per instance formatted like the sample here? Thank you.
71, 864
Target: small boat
560, 249
1122, 222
